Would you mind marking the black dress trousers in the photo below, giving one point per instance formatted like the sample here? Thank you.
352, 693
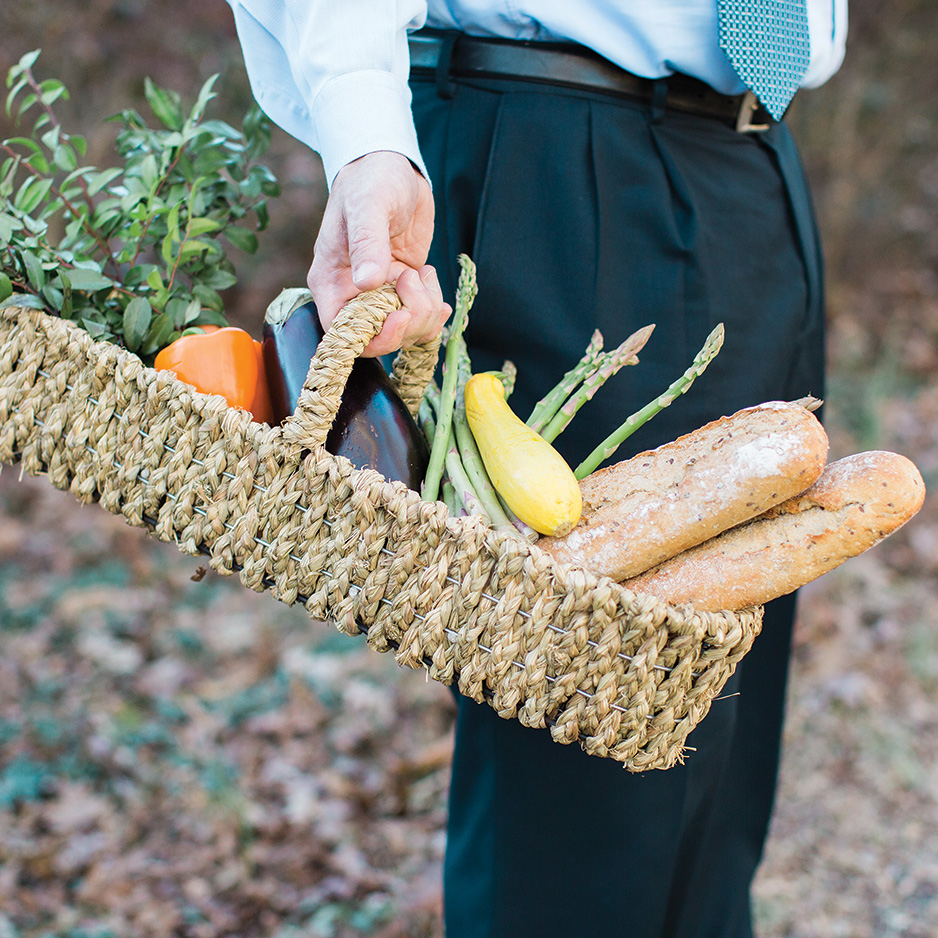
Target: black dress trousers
583, 211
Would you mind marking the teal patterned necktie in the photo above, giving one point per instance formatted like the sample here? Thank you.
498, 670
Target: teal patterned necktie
767, 44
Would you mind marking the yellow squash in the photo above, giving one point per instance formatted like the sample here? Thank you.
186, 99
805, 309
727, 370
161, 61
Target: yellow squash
529, 474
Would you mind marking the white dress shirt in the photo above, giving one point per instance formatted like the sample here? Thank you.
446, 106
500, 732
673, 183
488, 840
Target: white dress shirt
333, 73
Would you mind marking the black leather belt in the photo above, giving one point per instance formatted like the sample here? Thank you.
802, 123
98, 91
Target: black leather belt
443, 54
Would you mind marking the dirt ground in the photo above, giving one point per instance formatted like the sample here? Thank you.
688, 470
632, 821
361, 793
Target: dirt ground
182, 757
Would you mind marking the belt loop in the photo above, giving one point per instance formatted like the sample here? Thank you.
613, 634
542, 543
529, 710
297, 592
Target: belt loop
445, 86
659, 99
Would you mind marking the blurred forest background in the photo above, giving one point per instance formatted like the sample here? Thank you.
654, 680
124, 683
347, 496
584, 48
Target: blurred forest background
181, 757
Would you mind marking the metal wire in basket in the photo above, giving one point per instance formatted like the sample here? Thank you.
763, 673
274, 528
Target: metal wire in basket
625, 676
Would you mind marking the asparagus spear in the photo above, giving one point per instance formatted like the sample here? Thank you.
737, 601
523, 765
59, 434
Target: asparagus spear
457, 488
465, 484
548, 405
508, 374
426, 417
617, 437
468, 451
608, 364
465, 294
465, 492
448, 495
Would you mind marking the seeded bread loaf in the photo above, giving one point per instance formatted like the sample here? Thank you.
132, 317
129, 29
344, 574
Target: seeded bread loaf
857, 502
659, 503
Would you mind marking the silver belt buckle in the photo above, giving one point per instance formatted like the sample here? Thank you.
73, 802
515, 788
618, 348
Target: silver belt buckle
747, 108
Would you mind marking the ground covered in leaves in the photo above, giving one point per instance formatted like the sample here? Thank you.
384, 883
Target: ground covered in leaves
180, 756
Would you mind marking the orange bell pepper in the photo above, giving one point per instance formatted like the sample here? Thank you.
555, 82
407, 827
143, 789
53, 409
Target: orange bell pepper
261, 407
225, 361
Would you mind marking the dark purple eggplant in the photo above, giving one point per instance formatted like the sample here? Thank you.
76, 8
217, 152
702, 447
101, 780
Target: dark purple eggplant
373, 427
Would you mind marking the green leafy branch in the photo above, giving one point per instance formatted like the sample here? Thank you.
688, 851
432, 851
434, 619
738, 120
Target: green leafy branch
135, 253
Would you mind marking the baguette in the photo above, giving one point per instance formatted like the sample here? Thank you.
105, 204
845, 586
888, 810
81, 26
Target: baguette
659, 503
857, 502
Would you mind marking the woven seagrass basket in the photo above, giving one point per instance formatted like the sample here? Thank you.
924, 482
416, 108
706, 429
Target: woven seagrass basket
625, 676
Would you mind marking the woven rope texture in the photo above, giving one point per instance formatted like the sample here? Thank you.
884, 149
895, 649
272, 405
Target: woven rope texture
624, 676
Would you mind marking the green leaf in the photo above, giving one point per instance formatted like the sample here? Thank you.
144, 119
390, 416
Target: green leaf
89, 281
8, 224
95, 329
218, 278
137, 275
75, 233
201, 226
16, 88
36, 157
9, 166
166, 249
31, 194
23, 300
210, 300
210, 317
25, 105
219, 129
172, 221
34, 272
250, 187
65, 307
159, 299
6, 286
64, 157
205, 95
137, 317
174, 141
176, 310
270, 187
192, 313
52, 89
208, 162
53, 297
257, 131
97, 181
51, 138
243, 239
161, 333
28, 60
193, 248
149, 172
165, 104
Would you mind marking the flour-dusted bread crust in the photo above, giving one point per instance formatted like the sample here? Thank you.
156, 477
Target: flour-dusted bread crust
643, 510
857, 502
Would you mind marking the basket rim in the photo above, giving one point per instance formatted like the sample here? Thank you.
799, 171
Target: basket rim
496, 541
624, 674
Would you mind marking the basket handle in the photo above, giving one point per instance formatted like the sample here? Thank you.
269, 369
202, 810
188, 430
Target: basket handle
356, 324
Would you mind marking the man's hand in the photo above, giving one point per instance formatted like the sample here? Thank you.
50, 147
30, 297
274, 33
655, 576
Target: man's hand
376, 229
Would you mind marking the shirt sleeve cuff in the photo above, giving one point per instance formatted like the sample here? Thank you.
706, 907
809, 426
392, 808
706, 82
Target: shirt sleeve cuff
363, 112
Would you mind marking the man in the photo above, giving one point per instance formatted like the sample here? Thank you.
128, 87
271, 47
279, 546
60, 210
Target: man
605, 167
